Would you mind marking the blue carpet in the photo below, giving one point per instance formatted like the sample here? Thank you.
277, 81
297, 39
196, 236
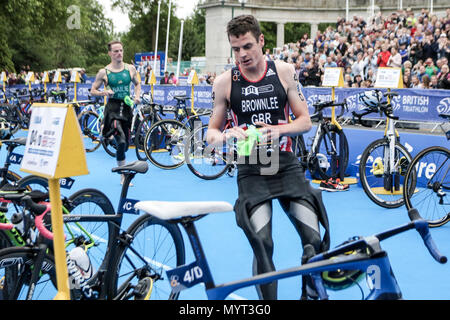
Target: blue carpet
230, 257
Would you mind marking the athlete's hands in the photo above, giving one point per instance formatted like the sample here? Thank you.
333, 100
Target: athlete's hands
137, 100
234, 132
269, 132
108, 93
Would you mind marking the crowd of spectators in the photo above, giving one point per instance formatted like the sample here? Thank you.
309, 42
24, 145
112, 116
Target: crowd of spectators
417, 43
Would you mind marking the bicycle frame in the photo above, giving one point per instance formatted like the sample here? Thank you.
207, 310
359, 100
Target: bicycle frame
381, 280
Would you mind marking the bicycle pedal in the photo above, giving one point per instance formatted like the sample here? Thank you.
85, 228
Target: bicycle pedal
143, 289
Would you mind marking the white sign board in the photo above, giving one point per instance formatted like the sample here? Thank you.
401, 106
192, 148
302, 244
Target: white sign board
44, 140
388, 78
331, 77
74, 76
57, 77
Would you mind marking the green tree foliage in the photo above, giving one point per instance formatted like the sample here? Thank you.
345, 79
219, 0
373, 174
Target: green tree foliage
141, 37
47, 34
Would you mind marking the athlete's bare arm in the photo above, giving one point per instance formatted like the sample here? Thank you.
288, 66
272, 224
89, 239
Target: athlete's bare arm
137, 84
221, 96
297, 102
100, 79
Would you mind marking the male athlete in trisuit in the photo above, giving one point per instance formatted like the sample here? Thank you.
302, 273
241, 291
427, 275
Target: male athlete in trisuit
262, 93
116, 78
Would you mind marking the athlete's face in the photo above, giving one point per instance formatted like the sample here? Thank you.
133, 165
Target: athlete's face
247, 50
116, 52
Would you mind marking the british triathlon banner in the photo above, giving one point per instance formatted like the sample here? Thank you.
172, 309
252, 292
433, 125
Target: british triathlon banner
410, 104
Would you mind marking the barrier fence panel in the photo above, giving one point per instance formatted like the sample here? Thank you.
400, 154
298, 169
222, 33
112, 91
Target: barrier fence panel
421, 105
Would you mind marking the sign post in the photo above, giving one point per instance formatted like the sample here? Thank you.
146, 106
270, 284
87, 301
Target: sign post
193, 81
75, 78
45, 80
152, 81
333, 77
54, 150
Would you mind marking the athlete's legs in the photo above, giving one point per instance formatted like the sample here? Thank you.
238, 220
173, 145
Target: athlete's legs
121, 139
305, 220
261, 223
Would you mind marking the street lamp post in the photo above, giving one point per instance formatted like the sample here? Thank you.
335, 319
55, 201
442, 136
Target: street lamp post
156, 42
167, 37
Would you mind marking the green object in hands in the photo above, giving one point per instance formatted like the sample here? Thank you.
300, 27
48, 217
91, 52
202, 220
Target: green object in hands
128, 101
245, 147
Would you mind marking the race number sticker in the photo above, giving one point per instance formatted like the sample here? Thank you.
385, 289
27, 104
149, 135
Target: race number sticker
127, 206
185, 276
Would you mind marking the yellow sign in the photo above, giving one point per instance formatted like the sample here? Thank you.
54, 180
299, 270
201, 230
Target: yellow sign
54, 150
54, 147
75, 76
29, 77
45, 77
333, 77
390, 78
3, 77
192, 80
152, 78
57, 77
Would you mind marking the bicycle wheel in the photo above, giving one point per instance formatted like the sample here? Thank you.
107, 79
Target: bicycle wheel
155, 246
110, 146
33, 182
139, 137
381, 186
164, 144
203, 161
95, 236
16, 267
428, 184
90, 128
331, 145
300, 151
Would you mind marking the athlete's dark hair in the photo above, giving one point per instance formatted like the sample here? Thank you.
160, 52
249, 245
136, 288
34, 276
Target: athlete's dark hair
113, 42
242, 24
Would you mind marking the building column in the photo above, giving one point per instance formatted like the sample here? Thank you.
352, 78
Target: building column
280, 34
314, 29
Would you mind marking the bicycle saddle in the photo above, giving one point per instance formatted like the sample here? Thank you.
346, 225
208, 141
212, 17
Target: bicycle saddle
444, 115
136, 166
167, 210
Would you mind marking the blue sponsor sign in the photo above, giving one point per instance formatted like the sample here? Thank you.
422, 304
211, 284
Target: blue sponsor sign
410, 105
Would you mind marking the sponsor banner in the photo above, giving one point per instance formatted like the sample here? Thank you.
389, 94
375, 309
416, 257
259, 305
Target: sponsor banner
410, 105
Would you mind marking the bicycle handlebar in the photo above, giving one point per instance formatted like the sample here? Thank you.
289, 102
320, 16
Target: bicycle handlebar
422, 227
38, 210
319, 106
